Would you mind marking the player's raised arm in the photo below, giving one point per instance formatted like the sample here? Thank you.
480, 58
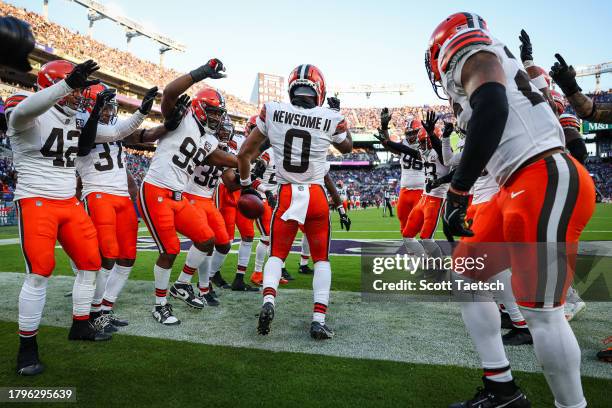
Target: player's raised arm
536, 74
214, 69
171, 123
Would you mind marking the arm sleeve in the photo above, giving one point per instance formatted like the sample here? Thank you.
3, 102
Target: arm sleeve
402, 148
437, 146
120, 130
450, 158
24, 114
88, 135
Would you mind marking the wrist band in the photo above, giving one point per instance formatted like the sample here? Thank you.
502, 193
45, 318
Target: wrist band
540, 82
528, 63
245, 182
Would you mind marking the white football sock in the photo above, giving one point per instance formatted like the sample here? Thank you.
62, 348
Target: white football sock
101, 279
572, 295
271, 276
261, 250
305, 247
162, 277
114, 285
244, 254
414, 247
321, 284
431, 248
482, 322
75, 270
204, 275
506, 298
31, 304
217, 260
559, 354
82, 294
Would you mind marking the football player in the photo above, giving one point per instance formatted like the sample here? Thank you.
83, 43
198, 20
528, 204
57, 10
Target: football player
200, 191
104, 189
413, 176
300, 133
45, 140
545, 196
165, 210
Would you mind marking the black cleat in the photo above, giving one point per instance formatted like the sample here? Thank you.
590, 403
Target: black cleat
285, 275
85, 330
320, 331
238, 285
184, 292
114, 320
101, 322
306, 270
211, 290
517, 337
496, 395
506, 321
219, 282
265, 318
163, 314
28, 362
209, 300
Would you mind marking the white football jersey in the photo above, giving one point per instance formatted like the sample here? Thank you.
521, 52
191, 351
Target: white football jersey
413, 176
178, 154
484, 189
531, 127
44, 140
434, 169
104, 170
300, 139
204, 180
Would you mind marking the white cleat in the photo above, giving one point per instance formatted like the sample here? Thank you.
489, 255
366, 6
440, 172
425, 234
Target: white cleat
572, 309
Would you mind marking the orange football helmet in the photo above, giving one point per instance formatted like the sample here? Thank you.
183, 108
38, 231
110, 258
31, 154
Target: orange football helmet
208, 107
310, 76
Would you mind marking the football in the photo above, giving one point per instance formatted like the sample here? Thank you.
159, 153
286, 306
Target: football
250, 206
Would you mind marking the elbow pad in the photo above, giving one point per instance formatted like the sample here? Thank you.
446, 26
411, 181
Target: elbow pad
485, 129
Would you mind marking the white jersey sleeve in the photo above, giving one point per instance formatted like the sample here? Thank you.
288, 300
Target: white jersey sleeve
44, 141
531, 127
300, 139
178, 154
120, 130
413, 176
451, 158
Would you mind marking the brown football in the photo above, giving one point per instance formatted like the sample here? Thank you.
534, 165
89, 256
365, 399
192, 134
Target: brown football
250, 206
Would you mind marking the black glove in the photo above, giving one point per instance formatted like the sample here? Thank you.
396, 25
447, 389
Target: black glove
455, 213
259, 168
385, 118
525, 47
345, 221
564, 76
249, 190
102, 99
430, 184
448, 129
174, 120
381, 137
147, 101
214, 69
78, 77
429, 123
334, 103
17, 43
271, 199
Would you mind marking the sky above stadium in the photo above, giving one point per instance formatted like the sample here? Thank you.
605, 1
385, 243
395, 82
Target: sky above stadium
374, 42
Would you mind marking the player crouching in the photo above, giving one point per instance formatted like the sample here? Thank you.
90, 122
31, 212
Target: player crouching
300, 133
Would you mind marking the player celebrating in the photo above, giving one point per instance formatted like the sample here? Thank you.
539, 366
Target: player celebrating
300, 133
199, 191
544, 197
161, 200
45, 138
104, 178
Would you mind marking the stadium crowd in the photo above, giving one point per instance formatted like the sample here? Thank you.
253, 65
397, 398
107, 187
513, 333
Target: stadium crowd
369, 118
66, 42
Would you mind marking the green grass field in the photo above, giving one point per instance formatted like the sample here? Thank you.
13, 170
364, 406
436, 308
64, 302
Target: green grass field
218, 359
